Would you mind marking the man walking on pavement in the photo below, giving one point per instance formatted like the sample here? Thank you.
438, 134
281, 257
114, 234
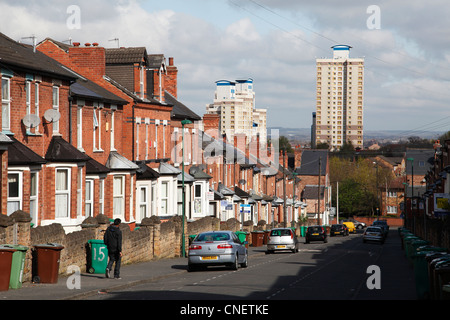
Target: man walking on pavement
113, 241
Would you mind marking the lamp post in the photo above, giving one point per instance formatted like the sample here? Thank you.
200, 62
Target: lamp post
376, 187
412, 192
293, 197
405, 207
183, 249
284, 191
412, 175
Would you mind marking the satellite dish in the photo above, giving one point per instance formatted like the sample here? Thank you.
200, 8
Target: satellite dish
52, 115
31, 121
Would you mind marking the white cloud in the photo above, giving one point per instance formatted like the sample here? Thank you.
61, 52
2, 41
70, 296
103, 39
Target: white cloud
275, 42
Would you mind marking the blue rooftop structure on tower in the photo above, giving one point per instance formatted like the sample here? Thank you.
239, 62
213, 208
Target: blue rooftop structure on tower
341, 51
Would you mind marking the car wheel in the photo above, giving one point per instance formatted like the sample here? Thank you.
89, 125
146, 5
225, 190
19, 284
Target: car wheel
245, 263
191, 268
235, 264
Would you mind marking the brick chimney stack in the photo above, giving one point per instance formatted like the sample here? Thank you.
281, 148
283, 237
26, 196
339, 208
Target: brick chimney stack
211, 124
171, 82
91, 58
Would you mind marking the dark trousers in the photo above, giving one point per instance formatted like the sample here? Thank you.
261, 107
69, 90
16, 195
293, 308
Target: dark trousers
114, 258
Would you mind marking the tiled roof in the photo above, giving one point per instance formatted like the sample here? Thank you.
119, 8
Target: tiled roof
155, 61
168, 169
118, 162
21, 56
310, 192
146, 173
59, 150
88, 89
179, 110
95, 167
423, 160
125, 55
310, 162
19, 154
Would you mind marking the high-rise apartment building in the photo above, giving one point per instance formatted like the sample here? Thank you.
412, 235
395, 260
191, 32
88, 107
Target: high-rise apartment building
234, 101
340, 93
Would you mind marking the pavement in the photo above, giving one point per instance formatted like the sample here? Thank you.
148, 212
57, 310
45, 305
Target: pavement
71, 287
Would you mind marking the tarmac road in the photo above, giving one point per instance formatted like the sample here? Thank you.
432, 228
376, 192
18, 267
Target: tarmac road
337, 270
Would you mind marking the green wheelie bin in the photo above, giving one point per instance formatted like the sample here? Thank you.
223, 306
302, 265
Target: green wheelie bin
243, 237
98, 257
407, 241
413, 245
420, 265
17, 265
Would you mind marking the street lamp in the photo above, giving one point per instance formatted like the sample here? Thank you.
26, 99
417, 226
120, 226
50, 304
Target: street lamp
412, 191
378, 197
412, 175
284, 191
183, 122
295, 174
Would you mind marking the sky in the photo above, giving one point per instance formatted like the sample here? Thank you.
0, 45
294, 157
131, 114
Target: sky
405, 45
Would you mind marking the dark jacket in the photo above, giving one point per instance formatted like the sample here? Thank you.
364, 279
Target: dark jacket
113, 239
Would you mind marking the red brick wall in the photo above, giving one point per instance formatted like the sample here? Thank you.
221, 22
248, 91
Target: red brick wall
91, 58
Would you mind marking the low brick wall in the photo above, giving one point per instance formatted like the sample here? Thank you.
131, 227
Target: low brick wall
392, 222
152, 239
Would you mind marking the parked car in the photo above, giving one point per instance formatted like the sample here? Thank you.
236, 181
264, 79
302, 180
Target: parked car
358, 225
350, 226
373, 233
281, 239
339, 229
316, 233
382, 224
217, 248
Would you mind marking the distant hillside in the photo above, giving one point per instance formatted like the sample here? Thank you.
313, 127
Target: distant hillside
304, 134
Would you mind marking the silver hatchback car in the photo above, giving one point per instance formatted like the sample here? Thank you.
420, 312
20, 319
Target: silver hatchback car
373, 233
282, 239
217, 248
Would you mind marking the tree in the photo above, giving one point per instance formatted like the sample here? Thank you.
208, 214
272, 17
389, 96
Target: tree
359, 181
347, 147
284, 144
323, 145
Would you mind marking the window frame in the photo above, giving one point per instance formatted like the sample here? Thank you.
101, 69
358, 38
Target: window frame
66, 192
19, 197
6, 127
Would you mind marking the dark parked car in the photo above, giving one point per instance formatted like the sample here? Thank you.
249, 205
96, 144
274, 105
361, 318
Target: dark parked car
382, 224
316, 233
339, 229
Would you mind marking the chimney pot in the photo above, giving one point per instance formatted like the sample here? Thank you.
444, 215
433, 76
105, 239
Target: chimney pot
170, 61
76, 44
87, 44
95, 44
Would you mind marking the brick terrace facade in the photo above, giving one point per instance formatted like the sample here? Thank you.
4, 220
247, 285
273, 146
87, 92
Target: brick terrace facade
116, 147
